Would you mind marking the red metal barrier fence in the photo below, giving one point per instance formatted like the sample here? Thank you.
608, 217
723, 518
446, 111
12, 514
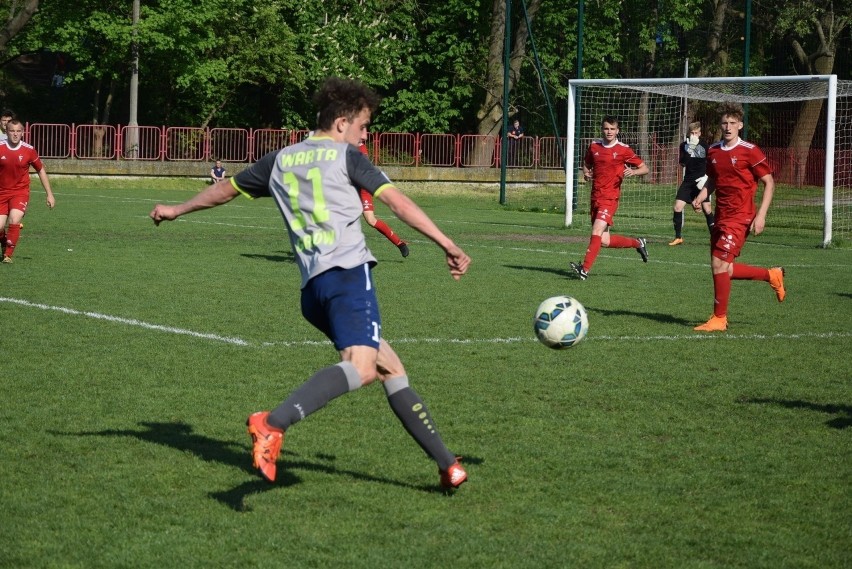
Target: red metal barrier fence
108, 142
122, 142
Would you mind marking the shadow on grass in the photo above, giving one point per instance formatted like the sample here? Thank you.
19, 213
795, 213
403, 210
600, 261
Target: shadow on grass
566, 272
180, 436
844, 412
283, 257
655, 316
562, 272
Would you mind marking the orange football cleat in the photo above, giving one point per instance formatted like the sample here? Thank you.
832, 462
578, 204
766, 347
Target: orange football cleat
453, 477
715, 324
776, 281
267, 444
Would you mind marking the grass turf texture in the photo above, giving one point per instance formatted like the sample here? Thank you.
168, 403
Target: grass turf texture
133, 354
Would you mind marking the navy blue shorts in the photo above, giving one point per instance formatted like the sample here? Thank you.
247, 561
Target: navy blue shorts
342, 304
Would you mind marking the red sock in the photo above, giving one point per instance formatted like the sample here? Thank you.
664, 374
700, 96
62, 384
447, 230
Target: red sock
12, 236
721, 293
621, 242
749, 273
385, 230
592, 252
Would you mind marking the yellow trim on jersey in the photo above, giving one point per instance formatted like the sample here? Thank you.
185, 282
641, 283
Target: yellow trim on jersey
382, 188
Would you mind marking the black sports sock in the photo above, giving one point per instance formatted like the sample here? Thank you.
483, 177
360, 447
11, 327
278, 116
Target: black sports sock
677, 220
325, 385
711, 220
414, 416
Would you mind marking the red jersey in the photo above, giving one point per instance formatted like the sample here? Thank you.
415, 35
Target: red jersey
15, 166
735, 171
366, 197
608, 164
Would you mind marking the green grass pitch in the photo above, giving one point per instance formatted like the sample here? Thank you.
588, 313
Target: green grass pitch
132, 355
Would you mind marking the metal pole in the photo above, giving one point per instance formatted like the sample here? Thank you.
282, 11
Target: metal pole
131, 148
581, 8
746, 61
830, 133
504, 146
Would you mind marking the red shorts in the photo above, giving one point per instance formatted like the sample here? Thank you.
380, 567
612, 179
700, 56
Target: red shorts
367, 200
727, 241
14, 200
603, 210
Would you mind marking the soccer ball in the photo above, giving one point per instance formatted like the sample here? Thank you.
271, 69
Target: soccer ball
560, 322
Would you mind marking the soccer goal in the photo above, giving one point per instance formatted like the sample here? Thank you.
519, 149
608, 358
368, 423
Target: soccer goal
802, 123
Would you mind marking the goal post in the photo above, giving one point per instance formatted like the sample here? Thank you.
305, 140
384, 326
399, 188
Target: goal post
802, 123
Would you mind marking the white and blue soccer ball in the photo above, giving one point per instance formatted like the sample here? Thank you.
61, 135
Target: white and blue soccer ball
560, 322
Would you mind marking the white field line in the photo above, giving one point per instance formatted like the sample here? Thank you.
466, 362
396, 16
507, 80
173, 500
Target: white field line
126, 321
442, 341
530, 339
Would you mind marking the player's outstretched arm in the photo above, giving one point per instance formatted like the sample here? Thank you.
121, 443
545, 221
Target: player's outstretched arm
405, 209
217, 194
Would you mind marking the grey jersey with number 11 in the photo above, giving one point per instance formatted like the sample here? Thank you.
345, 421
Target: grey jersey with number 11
315, 184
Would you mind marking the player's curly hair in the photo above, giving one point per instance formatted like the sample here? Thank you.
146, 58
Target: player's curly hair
731, 110
338, 97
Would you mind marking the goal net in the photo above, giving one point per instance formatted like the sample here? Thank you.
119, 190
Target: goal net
803, 125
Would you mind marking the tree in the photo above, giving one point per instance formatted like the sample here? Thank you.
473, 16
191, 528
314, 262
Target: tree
196, 55
92, 34
19, 15
490, 112
438, 63
813, 30
446, 58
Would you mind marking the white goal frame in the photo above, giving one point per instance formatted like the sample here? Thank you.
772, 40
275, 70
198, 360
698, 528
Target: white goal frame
691, 92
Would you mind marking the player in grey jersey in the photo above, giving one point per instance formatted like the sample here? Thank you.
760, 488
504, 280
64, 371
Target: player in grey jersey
315, 185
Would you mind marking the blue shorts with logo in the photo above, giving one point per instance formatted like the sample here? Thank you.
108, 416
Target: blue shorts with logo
342, 304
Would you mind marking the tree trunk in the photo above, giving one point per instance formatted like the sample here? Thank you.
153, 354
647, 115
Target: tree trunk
715, 54
213, 112
16, 22
99, 132
490, 113
819, 62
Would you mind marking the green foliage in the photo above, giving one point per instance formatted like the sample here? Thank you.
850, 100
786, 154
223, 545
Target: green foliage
647, 445
819, 29
352, 38
96, 35
194, 56
255, 64
428, 111
447, 67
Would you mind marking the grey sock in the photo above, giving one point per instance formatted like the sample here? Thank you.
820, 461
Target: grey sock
325, 385
414, 416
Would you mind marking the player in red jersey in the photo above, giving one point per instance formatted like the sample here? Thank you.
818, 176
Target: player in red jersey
370, 216
735, 166
16, 157
607, 162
